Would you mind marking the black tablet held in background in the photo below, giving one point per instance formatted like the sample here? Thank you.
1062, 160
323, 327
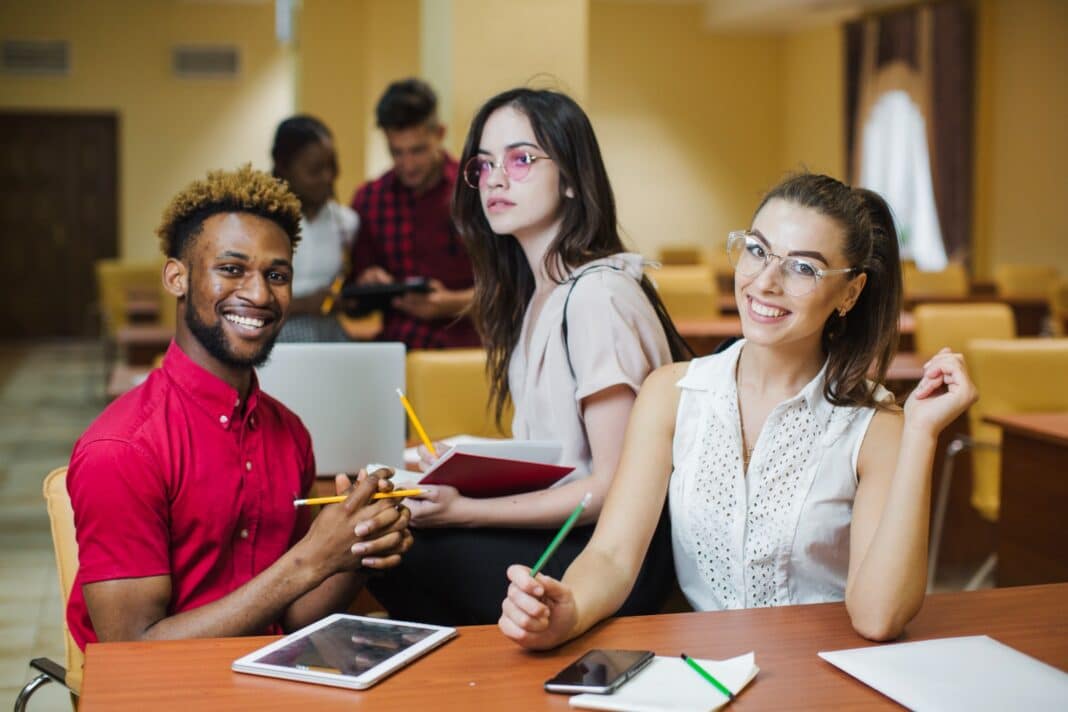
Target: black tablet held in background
357, 300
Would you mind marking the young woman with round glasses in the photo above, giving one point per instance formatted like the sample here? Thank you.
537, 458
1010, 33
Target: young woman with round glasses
571, 327
790, 476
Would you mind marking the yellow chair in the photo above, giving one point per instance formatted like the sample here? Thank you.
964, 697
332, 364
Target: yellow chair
61, 517
950, 283
449, 389
953, 325
1012, 376
115, 280
680, 255
1024, 281
688, 291
1058, 307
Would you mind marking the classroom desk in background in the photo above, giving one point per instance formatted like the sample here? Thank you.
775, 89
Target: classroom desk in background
482, 670
1033, 517
704, 335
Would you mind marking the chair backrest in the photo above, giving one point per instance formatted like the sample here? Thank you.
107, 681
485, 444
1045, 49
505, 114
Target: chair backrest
1012, 376
1058, 307
61, 517
688, 291
449, 389
949, 283
114, 281
953, 325
1025, 281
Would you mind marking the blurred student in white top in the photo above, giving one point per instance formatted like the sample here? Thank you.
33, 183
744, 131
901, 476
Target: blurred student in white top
537, 214
791, 477
304, 157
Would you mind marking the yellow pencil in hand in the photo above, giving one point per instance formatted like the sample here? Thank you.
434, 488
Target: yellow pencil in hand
328, 300
334, 499
416, 424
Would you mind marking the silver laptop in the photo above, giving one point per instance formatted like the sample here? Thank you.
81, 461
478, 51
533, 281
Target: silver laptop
346, 394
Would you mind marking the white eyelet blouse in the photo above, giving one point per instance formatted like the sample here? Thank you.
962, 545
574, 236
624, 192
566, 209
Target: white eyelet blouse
778, 535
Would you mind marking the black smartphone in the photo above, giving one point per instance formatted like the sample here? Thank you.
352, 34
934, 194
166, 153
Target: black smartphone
599, 671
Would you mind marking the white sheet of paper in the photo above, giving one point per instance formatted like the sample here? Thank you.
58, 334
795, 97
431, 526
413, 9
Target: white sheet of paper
967, 673
670, 685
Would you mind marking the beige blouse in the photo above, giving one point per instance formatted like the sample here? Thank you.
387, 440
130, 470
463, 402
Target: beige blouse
614, 338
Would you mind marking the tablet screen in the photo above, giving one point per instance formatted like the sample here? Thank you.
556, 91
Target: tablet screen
346, 646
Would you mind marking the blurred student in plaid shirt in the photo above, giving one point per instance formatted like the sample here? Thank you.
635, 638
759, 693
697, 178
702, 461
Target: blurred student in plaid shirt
405, 227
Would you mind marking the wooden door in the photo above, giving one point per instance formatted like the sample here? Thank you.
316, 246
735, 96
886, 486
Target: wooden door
58, 215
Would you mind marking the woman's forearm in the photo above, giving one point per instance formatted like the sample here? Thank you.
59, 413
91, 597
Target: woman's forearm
890, 583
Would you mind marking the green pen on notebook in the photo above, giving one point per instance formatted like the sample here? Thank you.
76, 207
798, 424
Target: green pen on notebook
555, 543
707, 675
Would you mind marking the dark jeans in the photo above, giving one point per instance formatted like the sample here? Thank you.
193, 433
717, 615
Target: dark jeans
457, 576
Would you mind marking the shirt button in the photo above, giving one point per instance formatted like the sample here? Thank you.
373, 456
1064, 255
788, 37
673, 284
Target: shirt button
223, 419
244, 533
248, 465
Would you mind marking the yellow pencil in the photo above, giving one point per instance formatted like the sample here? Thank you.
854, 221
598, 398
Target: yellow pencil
328, 300
395, 494
415, 422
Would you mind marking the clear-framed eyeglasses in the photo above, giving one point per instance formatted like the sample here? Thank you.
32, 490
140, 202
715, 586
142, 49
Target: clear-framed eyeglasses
749, 255
516, 164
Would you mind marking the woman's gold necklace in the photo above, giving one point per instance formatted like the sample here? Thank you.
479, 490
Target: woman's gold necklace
747, 451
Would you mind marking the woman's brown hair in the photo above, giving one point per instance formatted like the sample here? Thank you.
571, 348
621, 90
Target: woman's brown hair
504, 281
866, 336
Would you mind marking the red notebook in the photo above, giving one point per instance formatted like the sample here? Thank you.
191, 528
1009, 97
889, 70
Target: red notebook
484, 476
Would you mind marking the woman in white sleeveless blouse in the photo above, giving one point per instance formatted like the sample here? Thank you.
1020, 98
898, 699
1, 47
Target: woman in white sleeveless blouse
791, 477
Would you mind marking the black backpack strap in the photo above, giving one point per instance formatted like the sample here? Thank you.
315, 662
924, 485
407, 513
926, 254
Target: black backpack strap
563, 326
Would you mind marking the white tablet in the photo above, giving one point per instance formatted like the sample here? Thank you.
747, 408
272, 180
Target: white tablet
344, 651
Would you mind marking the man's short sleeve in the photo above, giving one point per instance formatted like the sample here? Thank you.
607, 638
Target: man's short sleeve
121, 512
614, 336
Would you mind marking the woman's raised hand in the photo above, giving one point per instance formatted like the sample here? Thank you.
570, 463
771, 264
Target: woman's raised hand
944, 392
539, 613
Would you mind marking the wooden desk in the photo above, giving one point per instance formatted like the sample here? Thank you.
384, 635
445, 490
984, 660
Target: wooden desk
141, 343
1032, 523
704, 335
481, 670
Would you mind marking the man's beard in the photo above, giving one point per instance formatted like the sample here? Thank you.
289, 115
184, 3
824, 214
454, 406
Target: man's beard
213, 339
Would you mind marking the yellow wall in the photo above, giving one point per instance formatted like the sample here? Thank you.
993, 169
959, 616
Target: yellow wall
1022, 144
349, 51
391, 52
690, 123
500, 44
171, 130
813, 84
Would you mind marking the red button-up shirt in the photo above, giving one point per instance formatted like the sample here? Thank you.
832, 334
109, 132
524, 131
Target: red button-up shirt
175, 478
411, 235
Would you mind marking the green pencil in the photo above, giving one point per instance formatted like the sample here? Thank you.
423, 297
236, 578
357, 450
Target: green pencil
555, 543
707, 675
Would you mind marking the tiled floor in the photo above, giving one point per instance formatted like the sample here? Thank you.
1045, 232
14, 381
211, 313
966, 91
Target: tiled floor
48, 395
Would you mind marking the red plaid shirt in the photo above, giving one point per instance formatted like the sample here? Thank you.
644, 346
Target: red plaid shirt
411, 235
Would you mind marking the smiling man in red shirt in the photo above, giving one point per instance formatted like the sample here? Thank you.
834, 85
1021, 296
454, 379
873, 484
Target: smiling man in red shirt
183, 488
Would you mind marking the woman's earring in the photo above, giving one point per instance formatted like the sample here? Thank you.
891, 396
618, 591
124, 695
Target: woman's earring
569, 193
842, 311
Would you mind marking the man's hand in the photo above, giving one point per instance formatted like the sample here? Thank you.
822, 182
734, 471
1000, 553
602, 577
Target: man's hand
374, 275
438, 303
357, 532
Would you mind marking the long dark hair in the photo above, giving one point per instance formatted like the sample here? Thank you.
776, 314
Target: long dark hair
504, 281
292, 135
868, 334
